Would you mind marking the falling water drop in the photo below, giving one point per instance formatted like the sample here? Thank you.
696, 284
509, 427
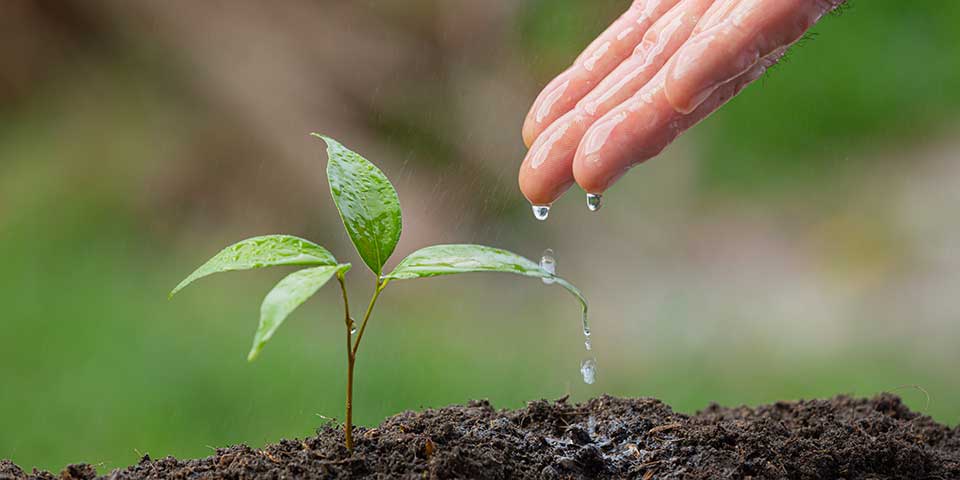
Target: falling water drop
594, 201
541, 212
549, 264
588, 368
586, 331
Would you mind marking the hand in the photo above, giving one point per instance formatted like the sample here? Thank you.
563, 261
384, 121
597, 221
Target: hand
660, 68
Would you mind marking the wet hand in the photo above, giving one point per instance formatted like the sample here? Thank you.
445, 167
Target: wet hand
660, 68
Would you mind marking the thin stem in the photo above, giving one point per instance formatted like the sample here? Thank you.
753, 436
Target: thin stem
348, 425
348, 321
363, 325
352, 353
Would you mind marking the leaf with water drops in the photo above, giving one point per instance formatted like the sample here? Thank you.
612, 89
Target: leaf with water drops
258, 252
367, 202
285, 297
451, 259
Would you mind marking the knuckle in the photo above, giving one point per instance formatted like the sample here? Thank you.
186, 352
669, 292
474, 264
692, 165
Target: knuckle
644, 46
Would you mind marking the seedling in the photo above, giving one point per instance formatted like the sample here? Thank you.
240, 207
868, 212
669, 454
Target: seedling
370, 211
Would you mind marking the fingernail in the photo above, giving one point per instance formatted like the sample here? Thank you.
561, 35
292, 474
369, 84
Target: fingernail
696, 100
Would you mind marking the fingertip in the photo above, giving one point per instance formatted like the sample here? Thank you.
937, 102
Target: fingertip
595, 171
634, 132
592, 177
546, 171
595, 159
685, 103
528, 133
538, 191
683, 85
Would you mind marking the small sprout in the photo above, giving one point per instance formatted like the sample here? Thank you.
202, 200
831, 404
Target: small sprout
370, 210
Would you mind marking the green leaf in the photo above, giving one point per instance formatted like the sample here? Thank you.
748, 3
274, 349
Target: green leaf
367, 202
289, 294
451, 259
257, 252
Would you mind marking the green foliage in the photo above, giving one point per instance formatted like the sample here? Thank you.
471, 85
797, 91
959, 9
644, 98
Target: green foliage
289, 294
259, 252
370, 211
451, 259
368, 204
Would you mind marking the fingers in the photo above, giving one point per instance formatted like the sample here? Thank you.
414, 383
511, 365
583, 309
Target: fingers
717, 12
644, 125
659, 43
724, 49
591, 129
547, 169
596, 62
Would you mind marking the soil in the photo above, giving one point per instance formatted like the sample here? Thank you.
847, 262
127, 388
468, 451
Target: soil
607, 437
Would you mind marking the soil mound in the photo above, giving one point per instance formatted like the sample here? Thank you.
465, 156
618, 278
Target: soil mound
606, 437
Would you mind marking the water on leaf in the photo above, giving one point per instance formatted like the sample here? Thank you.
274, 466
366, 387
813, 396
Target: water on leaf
586, 331
548, 262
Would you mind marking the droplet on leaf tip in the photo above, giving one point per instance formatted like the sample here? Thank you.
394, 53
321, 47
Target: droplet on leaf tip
548, 263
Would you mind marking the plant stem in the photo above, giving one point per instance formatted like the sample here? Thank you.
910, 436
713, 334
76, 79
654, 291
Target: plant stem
348, 321
352, 354
366, 316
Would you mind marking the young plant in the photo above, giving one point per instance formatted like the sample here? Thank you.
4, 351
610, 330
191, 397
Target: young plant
370, 211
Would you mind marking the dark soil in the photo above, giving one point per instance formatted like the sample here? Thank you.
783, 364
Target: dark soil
604, 438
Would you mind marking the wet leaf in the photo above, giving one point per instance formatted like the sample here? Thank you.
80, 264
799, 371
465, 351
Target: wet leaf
367, 202
258, 252
285, 297
452, 259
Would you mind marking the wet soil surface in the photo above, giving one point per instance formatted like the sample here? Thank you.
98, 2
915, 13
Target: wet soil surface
606, 437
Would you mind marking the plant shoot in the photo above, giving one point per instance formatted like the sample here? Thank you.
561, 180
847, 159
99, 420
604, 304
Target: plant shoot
370, 210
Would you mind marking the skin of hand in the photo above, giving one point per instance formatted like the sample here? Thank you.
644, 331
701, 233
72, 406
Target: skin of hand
660, 68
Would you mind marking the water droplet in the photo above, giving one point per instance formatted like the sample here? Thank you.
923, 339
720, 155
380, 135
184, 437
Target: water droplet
353, 329
594, 201
541, 212
586, 330
549, 264
588, 368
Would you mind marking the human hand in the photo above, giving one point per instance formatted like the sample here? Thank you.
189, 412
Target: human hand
660, 68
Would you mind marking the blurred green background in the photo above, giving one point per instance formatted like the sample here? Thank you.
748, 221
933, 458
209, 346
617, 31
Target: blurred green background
800, 243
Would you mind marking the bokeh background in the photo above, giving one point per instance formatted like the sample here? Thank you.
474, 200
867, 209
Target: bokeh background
802, 242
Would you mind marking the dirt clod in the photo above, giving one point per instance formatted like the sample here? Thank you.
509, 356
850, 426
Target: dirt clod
606, 437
